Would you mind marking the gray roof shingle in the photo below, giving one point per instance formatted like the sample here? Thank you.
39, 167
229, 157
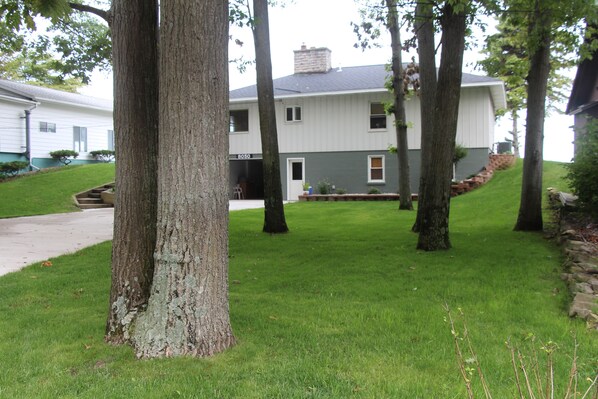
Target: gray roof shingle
347, 79
41, 94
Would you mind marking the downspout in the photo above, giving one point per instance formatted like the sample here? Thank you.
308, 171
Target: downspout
28, 137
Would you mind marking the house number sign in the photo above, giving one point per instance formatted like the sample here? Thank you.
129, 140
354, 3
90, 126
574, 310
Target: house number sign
244, 156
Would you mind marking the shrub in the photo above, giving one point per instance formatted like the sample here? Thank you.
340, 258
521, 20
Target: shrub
341, 191
460, 153
374, 190
8, 169
583, 171
103, 155
324, 187
64, 155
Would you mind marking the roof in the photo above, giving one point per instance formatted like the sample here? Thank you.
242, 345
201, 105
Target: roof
583, 86
26, 92
350, 80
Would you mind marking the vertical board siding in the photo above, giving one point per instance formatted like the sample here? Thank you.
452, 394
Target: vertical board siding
336, 123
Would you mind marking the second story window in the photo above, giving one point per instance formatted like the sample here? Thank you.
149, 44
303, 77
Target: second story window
377, 116
293, 114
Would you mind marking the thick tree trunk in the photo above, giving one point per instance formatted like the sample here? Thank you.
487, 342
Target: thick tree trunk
399, 107
188, 311
135, 65
530, 208
424, 28
274, 219
434, 222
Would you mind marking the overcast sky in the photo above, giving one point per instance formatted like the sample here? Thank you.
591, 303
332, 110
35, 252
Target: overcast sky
326, 23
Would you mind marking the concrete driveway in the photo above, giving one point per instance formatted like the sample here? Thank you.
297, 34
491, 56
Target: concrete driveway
34, 239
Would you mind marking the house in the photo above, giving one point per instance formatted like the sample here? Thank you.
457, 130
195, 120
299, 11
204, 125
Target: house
35, 121
583, 102
332, 127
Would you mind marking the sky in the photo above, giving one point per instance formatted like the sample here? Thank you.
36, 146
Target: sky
327, 23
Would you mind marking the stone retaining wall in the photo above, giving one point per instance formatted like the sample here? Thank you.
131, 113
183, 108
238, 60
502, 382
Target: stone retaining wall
580, 267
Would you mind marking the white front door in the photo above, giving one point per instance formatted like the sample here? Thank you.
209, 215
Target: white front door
295, 179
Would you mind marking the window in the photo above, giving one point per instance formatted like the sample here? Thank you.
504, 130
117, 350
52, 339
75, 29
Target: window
376, 169
239, 121
293, 114
377, 116
79, 139
111, 140
47, 127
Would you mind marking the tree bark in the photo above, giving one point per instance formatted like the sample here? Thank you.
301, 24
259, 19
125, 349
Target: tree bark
135, 66
437, 171
274, 218
399, 107
515, 133
188, 312
530, 208
426, 48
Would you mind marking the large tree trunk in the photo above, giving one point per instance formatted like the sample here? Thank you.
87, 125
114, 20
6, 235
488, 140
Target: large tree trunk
188, 311
135, 65
530, 208
399, 107
274, 219
426, 48
437, 171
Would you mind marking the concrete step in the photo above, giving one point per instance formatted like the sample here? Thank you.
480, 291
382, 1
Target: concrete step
94, 206
88, 200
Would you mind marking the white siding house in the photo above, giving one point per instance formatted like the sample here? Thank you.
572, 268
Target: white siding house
331, 126
53, 120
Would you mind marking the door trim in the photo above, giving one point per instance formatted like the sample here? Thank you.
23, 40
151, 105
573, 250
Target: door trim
290, 173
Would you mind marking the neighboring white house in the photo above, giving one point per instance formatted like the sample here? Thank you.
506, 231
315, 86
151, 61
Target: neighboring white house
332, 126
35, 121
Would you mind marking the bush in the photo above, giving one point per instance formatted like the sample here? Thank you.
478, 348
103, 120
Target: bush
341, 191
103, 155
324, 187
460, 153
374, 190
64, 155
583, 172
9, 169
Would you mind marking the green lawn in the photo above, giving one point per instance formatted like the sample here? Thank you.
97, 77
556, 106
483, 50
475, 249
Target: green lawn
51, 190
341, 307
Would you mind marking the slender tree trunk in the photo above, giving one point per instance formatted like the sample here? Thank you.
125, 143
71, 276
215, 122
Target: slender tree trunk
135, 64
188, 311
530, 208
515, 133
274, 219
434, 222
399, 107
426, 48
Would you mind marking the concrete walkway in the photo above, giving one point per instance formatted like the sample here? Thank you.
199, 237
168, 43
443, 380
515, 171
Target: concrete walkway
34, 239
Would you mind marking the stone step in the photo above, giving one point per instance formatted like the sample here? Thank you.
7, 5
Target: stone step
87, 200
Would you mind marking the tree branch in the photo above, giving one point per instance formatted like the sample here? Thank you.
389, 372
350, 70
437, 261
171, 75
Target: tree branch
105, 15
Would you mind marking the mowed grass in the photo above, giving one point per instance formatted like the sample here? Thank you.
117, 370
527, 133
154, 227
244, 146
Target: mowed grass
341, 307
51, 190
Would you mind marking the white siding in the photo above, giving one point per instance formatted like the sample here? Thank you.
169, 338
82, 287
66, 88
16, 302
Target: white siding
97, 123
12, 126
341, 123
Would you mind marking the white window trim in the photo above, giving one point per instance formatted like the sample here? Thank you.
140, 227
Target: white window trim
248, 121
370, 129
383, 180
294, 109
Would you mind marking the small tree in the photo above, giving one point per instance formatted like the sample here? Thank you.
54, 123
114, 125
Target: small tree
63, 156
584, 169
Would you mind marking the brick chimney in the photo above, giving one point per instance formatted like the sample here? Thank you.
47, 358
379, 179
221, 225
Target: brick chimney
312, 60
